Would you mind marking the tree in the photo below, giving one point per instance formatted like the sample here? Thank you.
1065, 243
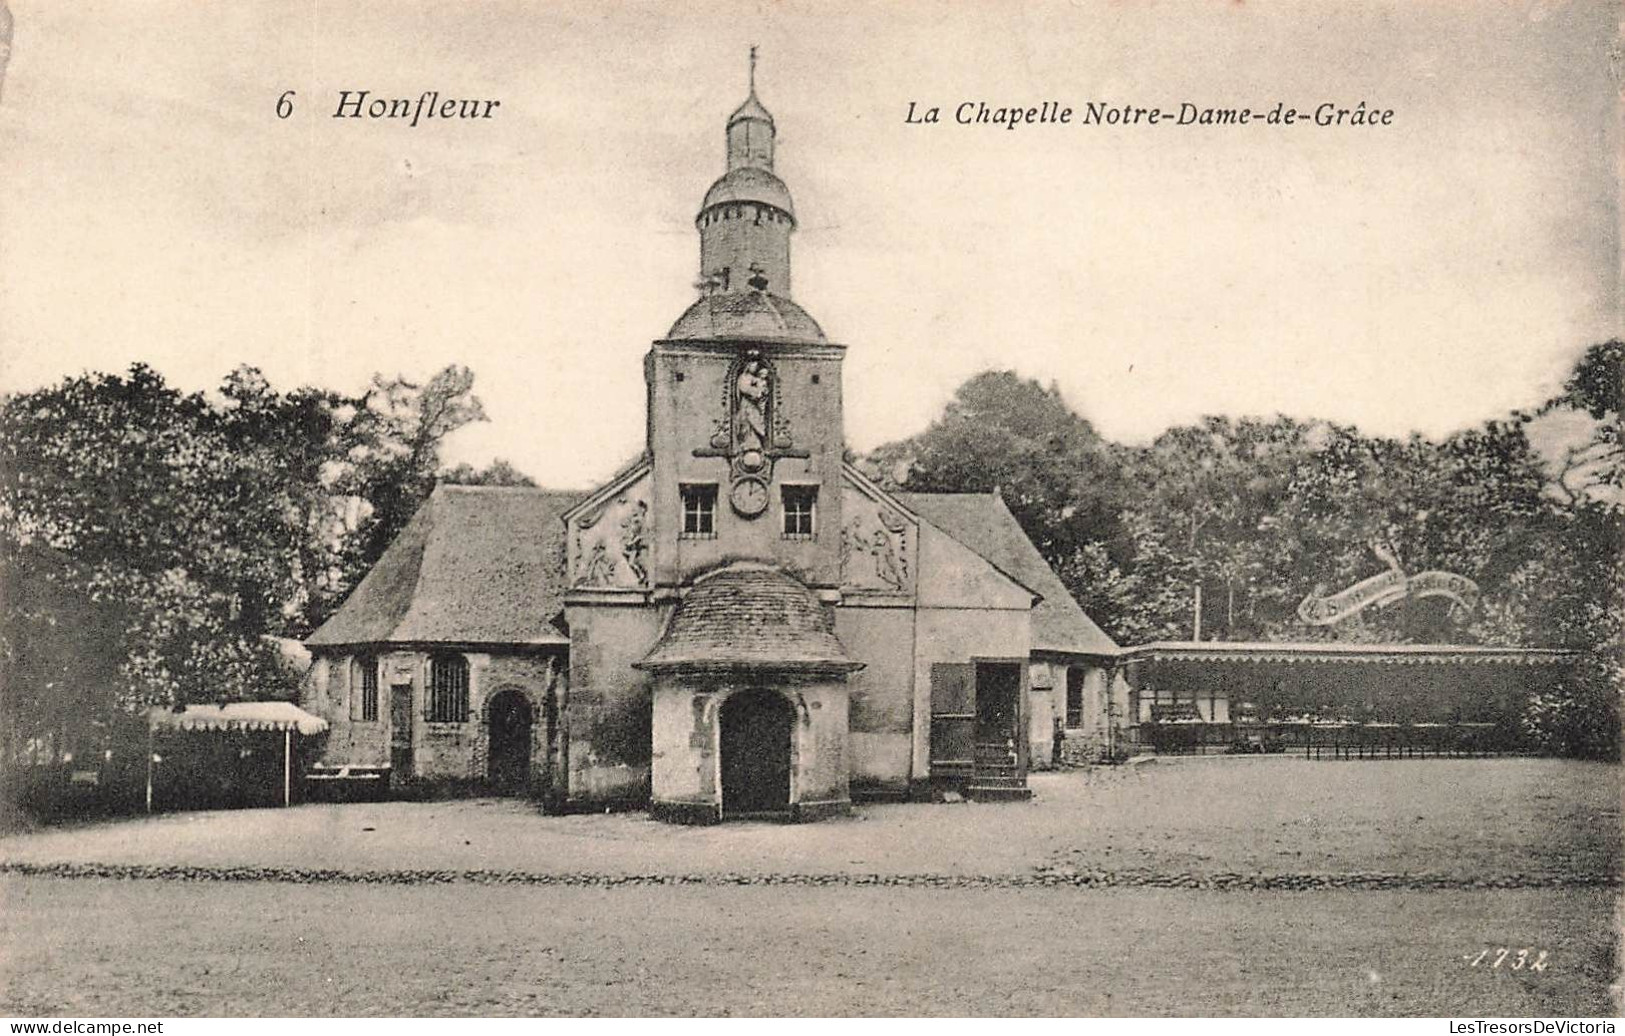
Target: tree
1592, 466
1010, 434
147, 493
1213, 492
217, 521
498, 473
403, 425
1571, 586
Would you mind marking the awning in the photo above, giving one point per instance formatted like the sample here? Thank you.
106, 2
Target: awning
246, 715
1276, 653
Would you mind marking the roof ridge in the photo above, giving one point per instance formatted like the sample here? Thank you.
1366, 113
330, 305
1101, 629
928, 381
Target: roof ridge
460, 487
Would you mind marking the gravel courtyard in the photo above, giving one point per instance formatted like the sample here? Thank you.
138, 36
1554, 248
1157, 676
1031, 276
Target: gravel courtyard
159, 948
1173, 888
1465, 819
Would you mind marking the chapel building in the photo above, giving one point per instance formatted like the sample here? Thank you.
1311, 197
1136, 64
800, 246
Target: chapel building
738, 623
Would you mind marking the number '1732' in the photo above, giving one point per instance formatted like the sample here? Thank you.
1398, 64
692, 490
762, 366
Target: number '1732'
1530, 957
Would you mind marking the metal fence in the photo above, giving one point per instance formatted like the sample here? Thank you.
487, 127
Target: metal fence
1331, 739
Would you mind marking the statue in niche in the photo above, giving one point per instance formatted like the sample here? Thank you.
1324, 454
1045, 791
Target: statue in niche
751, 390
751, 433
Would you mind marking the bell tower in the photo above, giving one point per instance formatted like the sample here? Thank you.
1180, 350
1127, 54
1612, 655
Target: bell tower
747, 217
745, 435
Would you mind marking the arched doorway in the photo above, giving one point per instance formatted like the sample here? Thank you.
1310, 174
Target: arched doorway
510, 717
757, 726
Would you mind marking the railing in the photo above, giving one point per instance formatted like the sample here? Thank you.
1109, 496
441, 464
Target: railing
1407, 740
1337, 739
1187, 737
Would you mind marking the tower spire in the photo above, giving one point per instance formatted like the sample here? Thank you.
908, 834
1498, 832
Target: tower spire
746, 219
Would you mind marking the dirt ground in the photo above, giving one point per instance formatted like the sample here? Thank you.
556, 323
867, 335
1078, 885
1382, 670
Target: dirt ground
1460, 818
92, 946
158, 948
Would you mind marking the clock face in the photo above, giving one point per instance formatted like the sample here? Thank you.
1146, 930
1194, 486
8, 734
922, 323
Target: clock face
749, 497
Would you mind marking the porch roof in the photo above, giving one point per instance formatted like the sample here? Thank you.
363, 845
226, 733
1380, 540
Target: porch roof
748, 615
1329, 652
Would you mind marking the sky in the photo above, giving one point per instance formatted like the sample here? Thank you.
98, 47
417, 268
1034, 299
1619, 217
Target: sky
1424, 275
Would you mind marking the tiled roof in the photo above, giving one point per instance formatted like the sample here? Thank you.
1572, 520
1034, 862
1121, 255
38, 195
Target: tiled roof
757, 316
983, 523
748, 615
475, 565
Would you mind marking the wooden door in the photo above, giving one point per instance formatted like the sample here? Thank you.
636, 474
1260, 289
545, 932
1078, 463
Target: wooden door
953, 718
508, 745
757, 726
400, 730
1000, 740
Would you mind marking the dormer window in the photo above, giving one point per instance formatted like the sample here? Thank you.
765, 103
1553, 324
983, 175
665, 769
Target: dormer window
800, 512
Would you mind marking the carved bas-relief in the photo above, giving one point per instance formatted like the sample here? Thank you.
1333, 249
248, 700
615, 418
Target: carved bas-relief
876, 548
752, 432
610, 547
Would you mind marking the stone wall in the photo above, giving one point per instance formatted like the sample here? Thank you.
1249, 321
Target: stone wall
607, 716
440, 751
881, 696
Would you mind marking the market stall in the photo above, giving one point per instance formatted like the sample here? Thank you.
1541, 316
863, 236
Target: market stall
243, 753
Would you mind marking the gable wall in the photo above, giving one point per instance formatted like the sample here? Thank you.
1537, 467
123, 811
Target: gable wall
968, 610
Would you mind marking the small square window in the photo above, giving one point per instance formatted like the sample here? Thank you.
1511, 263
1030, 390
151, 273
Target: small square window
800, 512
699, 511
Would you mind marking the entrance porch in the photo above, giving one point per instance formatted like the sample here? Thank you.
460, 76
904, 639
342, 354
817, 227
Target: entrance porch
751, 705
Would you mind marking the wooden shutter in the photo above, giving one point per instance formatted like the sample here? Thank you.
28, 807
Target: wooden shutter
352, 686
953, 718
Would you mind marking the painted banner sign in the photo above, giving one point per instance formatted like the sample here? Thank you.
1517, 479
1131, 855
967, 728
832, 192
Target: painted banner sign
1379, 591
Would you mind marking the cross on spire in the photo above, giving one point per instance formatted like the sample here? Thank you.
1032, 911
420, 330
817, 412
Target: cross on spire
753, 69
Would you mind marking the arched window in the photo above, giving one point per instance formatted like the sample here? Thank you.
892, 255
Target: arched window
448, 689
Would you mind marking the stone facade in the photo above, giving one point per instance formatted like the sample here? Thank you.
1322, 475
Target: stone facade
399, 730
1080, 711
